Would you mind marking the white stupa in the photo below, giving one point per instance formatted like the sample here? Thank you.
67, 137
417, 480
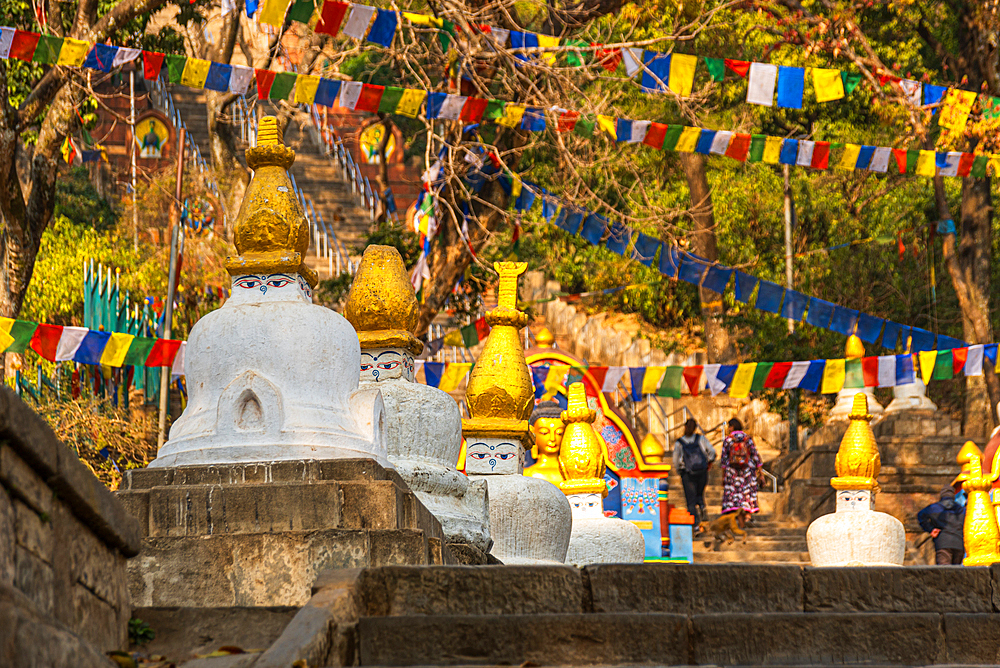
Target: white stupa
270, 375
855, 350
530, 519
596, 539
423, 423
911, 396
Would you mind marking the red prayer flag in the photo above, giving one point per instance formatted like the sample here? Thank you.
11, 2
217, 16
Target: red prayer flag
609, 58
655, 135
958, 357
163, 352
482, 329
264, 80
151, 64
821, 155
776, 376
883, 79
473, 109
869, 369
900, 155
45, 341
741, 67
965, 164
598, 372
692, 376
567, 121
23, 45
331, 17
739, 146
371, 96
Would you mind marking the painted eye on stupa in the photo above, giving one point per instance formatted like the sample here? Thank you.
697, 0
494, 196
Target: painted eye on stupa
366, 367
478, 455
505, 455
388, 366
279, 281
248, 282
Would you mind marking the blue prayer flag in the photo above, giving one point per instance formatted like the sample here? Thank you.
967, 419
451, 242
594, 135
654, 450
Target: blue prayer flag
573, 222
947, 343
645, 249
434, 103
101, 57
864, 157
844, 320
745, 284
789, 151
623, 130
692, 269
791, 85
656, 74
717, 278
890, 335
795, 305
705, 141
538, 375
669, 261
533, 120
593, 228
218, 77
769, 296
814, 376
251, 8
525, 199
433, 372
921, 339
869, 327
92, 347
819, 313
726, 374
990, 351
636, 374
933, 94
384, 28
904, 369
618, 238
549, 206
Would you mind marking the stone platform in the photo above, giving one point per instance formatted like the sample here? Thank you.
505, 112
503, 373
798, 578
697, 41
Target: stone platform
258, 534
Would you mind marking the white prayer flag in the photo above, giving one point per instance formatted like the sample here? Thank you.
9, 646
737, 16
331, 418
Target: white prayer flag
887, 371
124, 55
795, 375
500, 35
70, 342
357, 25
228, 6
451, 108
974, 361
178, 366
712, 379
914, 91
6, 39
880, 159
639, 130
633, 60
760, 88
613, 377
350, 91
951, 167
721, 142
805, 154
240, 79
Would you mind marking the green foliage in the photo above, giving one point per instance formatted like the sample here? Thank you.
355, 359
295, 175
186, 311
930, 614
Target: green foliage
78, 201
139, 632
387, 233
331, 291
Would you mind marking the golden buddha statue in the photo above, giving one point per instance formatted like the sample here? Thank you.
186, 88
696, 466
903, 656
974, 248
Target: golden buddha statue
548, 428
981, 532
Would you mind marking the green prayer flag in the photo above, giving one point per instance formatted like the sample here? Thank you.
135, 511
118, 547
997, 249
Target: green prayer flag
912, 156
469, 336
575, 58
671, 136
22, 331
283, 84
851, 81
584, 127
445, 34
575, 374
302, 11
760, 375
757, 143
943, 368
854, 374
175, 67
494, 110
390, 99
47, 51
990, 106
716, 68
670, 386
138, 351
87, 139
979, 167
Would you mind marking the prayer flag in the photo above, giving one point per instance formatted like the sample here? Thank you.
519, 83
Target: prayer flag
864, 157
6, 340
795, 305
955, 108
548, 41
593, 228
195, 72
645, 249
692, 377
738, 147
958, 358
769, 297
717, 278
926, 164
239, 79
138, 351
331, 17
73, 52
284, 84
218, 77
886, 373
927, 359
567, 121
101, 57
777, 375
23, 45
711, 379
175, 67
433, 372
943, 365
741, 67
656, 73
638, 133
608, 58
151, 64
851, 81
772, 150
473, 109
965, 163
880, 160
70, 339
742, 380
623, 130
933, 95
828, 84
370, 98
273, 12
512, 114
327, 92
720, 142
301, 11
116, 348
47, 51
390, 99
791, 85
91, 347
705, 140
22, 332
757, 144
760, 375
904, 369
789, 151
656, 134
814, 376
350, 91
716, 69
613, 376
974, 361
162, 353
833, 376
821, 155
682, 68
913, 90
688, 140
384, 28
6, 40
609, 125
305, 89
760, 88
669, 261
805, 155
745, 285
357, 24
410, 102
651, 381
177, 368
951, 162
795, 375
671, 385
632, 58
470, 337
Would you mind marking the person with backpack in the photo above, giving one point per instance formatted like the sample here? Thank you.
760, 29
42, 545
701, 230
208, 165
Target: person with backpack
693, 456
741, 469
945, 521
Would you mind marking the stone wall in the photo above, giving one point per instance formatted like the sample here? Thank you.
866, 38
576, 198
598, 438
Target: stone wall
64, 538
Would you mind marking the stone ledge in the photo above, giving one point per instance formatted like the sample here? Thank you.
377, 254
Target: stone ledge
33, 441
256, 473
182, 632
910, 589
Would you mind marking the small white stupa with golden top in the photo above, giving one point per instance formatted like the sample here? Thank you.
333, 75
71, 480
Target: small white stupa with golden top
911, 396
271, 376
423, 423
530, 519
857, 535
596, 539
854, 350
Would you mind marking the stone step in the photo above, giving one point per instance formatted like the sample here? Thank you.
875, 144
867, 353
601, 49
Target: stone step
183, 632
768, 557
752, 544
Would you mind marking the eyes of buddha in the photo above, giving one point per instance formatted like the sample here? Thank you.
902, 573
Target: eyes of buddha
500, 455
263, 282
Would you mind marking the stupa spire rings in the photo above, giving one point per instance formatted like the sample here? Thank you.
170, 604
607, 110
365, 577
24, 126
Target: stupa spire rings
381, 303
506, 312
581, 458
271, 233
858, 461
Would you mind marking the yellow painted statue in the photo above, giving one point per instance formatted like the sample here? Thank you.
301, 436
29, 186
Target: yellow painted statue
548, 427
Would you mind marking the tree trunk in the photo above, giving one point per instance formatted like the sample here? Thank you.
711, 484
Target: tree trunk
717, 341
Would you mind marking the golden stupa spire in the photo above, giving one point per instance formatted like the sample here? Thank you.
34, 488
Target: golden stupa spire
271, 233
854, 349
858, 462
651, 449
581, 457
381, 304
544, 338
981, 533
500, 394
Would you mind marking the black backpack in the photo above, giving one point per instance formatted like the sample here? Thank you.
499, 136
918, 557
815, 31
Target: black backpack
694, 457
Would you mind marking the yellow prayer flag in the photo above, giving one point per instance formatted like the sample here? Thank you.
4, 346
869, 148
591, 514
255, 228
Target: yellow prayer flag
828, 84
195, 72
512, 114
609, 125
955, 108
994, 164
409, 103
545, 41
772, 150
927, 361
742, 380
849, 160
833, 376
5, 338
116, 349
515, 186
651, 381
688, 140
926, 165
453, 375
73, 52
305, 88
453, 338
423, 20
555, 379
273, 13
682, 73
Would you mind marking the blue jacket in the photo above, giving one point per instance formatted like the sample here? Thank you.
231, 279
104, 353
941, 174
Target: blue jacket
950, 521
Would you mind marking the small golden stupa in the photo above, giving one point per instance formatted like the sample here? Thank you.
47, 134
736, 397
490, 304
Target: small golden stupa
981, 532
271, 233
544, 338
581, 457
855, 348
500, 394
381, 303
652, 450
858, 461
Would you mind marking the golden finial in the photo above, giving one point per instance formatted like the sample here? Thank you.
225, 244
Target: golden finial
271, 233
651, 449
981, 533
966, 455
544, 338
581, 458
858, 462
500, 394
381, 304
855, 349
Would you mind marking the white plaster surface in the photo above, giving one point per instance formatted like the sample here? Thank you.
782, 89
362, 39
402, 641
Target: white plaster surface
605, 540
856, 538
845, 400
530, 519
910, 397
273, 377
